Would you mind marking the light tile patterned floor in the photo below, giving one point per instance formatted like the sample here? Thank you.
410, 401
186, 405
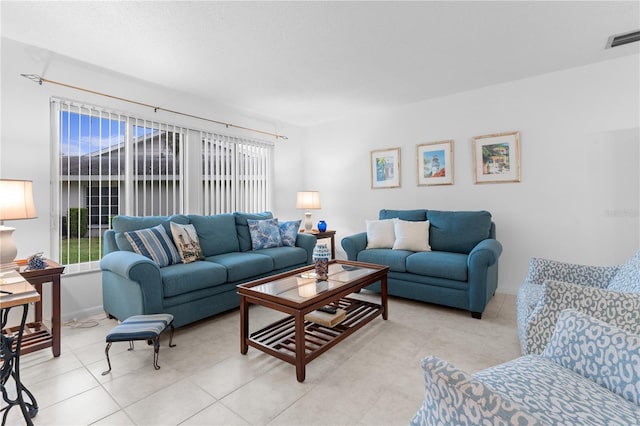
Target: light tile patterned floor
372, 377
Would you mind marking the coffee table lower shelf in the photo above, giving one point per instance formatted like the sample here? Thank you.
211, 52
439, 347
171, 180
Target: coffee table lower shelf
278, 339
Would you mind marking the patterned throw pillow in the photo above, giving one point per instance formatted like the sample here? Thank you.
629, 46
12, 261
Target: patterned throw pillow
598, 351
155, 244
289, 232
185, 238
627, 279
264, 233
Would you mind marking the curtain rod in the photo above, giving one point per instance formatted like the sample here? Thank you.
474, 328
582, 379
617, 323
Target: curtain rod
36, 78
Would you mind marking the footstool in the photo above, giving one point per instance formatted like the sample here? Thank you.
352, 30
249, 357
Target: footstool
141, 327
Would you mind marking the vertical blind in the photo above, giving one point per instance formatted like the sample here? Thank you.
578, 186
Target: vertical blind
112, 163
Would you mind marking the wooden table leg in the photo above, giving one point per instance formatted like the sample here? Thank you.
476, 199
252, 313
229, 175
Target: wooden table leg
244, 325
300, 346
56, 326
383, 296
38, 305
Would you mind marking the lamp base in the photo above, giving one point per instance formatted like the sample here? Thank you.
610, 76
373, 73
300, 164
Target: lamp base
8, 250
307, 222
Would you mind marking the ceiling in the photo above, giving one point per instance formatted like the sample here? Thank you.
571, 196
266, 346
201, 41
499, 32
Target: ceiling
306, 63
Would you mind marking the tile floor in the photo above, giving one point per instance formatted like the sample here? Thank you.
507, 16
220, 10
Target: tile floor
372, 377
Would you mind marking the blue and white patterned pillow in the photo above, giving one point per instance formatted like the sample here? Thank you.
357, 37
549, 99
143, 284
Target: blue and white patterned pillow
289, 232
155, 244
264, 233
598, 351
628, 277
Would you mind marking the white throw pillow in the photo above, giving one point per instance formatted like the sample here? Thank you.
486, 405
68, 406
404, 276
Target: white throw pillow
413, 236
380, 233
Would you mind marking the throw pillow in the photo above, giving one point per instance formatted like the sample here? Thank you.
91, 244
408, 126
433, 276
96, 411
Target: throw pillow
627, 279
380, 233
289, 232
155, 244
412, 236
186, 239
264, 233
598, 351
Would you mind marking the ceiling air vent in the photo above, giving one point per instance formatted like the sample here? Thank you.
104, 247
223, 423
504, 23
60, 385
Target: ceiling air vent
624, 38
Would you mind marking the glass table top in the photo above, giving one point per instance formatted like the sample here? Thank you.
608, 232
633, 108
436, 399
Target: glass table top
301, 287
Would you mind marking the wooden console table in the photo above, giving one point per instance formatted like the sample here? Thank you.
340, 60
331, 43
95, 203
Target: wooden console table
36, 335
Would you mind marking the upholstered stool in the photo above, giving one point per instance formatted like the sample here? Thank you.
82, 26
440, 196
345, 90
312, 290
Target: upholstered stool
141, 327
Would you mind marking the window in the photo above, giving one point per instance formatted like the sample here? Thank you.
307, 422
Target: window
112, 163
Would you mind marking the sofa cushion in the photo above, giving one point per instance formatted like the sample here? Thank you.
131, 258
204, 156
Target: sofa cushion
243, 265
264, 233
285, 257
411, 215
289, 232
598, 351
155, 244
186, 240
627, 279
557, 395
122, 224
412, 236
183, 278
394, 259
380, 234
451, 266
457, 232
242, 227
217, 233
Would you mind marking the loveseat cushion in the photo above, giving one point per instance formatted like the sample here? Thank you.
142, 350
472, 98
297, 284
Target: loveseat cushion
185, 277
451, 266
243, 265
457, 232
122, 224
217, 233
394, 259
284, 257
627, 279
410, 215
598, 351
242, 227
557, 395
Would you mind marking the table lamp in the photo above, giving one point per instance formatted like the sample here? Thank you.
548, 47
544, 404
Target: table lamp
308, 200
16, 202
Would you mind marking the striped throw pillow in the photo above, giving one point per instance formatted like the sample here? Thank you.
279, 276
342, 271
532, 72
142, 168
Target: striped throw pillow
155, 244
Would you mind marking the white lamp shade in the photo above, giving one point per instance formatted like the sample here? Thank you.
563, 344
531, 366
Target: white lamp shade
308, 200
16, 199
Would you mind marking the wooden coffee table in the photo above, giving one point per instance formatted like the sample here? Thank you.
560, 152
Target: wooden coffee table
296, 292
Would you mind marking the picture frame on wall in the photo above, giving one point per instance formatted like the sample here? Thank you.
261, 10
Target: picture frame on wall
497, 157
435, 163
385, 168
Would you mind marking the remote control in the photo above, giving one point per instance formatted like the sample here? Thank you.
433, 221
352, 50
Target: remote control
328, 309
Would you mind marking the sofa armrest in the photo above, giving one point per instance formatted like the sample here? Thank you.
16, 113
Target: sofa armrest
453, 397
354, 244
616, 308
485, 254
135, 269
307, 242
541, 270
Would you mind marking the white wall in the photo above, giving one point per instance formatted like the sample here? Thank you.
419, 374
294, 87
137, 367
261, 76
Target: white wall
25, 147
578, 199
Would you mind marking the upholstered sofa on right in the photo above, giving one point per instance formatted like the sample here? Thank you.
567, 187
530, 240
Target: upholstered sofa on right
609, 293
580, 379
455, 264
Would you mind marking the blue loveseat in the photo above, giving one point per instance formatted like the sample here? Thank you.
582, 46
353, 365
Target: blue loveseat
133, 284
460, 269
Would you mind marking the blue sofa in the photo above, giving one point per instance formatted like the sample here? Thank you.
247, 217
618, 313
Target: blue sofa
581, 378
460, 270
133, 284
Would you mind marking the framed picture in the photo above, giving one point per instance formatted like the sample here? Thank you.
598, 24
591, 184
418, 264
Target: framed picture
435, 163
497, 157
385, 168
